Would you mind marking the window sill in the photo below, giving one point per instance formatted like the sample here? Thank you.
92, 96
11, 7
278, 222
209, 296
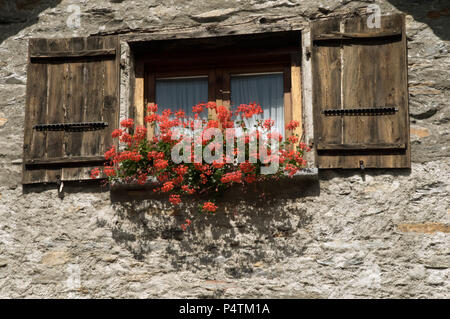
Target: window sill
302, 184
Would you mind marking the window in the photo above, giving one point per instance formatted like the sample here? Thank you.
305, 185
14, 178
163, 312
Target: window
229, 71
266, 85
263, 88
181, 93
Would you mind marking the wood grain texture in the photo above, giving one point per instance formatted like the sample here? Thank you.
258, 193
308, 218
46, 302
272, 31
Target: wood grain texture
75, 108
373, 74
35, 112
296, 93
139, 104
56, 105
361, 146
111, 96
72, 54
61, 161
288, 99
357, 35
73, 91
326, 86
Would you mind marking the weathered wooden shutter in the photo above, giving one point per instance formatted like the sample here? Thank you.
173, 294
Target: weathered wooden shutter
72, 106
360, 93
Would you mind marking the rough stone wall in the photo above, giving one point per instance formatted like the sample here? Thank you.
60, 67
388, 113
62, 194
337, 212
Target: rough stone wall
382, 234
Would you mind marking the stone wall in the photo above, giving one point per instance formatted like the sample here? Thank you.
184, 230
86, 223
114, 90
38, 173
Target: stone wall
381, 234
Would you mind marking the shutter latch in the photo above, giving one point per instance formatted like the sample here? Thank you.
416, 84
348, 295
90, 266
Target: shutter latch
361, 165
60, 185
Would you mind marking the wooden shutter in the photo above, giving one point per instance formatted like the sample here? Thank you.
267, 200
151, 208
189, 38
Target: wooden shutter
74, 85
360, 93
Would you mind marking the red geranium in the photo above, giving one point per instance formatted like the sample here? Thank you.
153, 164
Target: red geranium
138, 158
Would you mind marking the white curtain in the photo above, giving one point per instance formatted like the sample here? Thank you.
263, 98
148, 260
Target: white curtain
182, 94
264, 89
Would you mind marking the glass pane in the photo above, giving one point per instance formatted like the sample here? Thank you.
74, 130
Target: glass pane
181, 94
265, 89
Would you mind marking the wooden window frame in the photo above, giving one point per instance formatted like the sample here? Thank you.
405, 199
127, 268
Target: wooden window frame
219, 69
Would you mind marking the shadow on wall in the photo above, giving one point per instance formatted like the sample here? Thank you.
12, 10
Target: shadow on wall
434, 13
16, 15
239, 234
247, 226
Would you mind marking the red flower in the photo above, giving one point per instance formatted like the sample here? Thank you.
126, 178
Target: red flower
142, 179
109, 171
110, 153
127, 123
175, 199
209, 207
163, 178
152, 108
268, 124
161, 164
180, 114
168, 186
95, 172
247, 167
198, 177
126, 138
116, 133
235, 177
167, 113
224, 114
198, 108
151, 118
218, 164
304, 147
140, 133
275, 136
211, 105
249, 110
291, 169
292, 125
155, 155
212, 123
181, 170
250, 179
293, 139
188, 190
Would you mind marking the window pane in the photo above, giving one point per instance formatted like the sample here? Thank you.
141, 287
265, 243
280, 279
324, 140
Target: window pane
265, 89
181, 94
